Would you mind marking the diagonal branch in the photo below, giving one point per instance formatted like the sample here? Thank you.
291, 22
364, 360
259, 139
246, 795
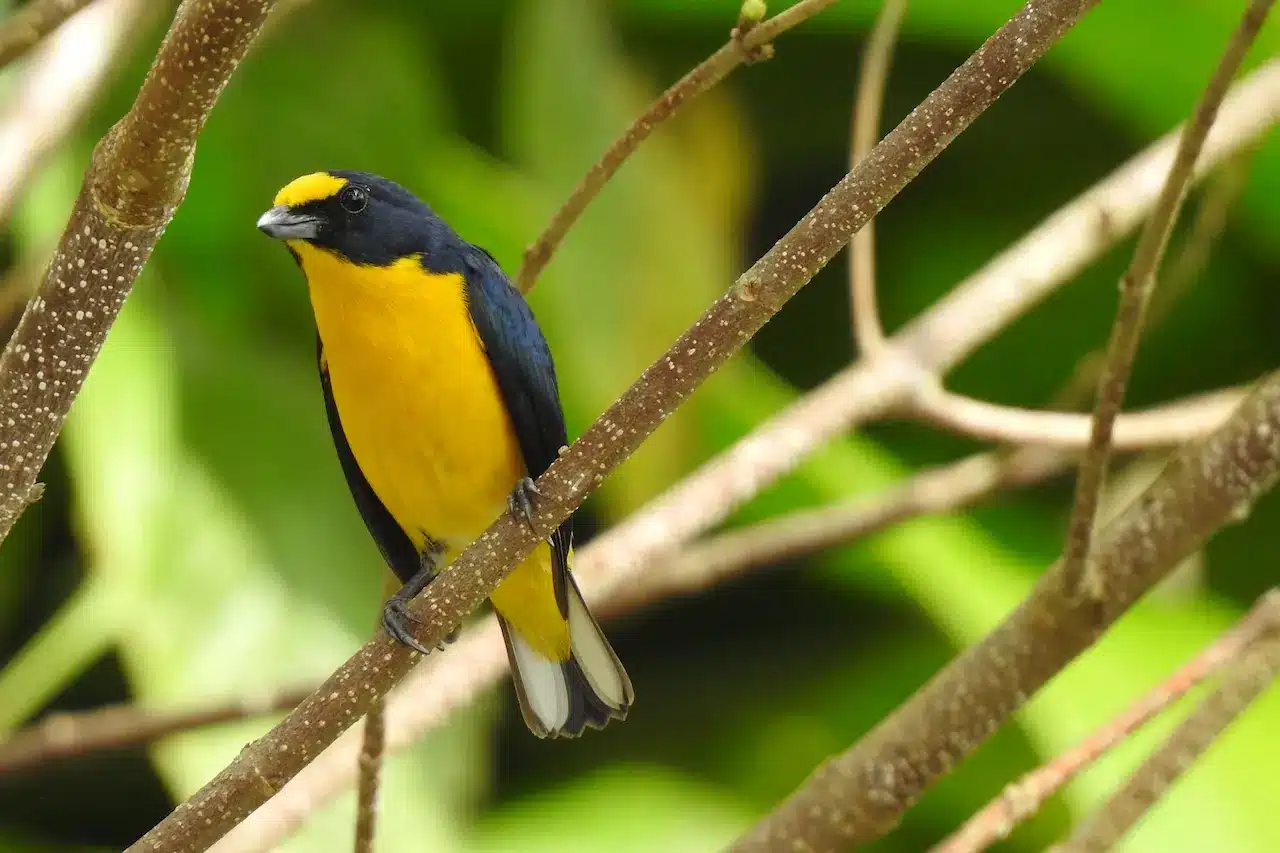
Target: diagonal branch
265, 765
1024, 798
1135, 292
876, 59
747, 43
860, 795
135, 182
624, 558
1257, 666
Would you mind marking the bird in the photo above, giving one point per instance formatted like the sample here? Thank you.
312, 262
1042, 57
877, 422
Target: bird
441, 396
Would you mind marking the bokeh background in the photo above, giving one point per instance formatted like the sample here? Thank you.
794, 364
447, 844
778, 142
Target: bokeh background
196, 541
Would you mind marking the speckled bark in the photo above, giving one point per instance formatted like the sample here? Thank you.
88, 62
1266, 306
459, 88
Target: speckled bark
858, 796
265, 765
135, 182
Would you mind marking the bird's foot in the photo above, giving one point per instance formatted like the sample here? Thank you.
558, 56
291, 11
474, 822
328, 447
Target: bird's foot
396, 620
520, 501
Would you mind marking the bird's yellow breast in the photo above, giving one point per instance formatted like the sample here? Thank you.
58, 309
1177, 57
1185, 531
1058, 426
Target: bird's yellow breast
415, 393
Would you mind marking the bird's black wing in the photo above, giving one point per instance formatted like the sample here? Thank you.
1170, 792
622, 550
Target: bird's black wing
522, 364
396, 547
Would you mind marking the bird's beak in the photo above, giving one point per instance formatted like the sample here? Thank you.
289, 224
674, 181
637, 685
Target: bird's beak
284, 224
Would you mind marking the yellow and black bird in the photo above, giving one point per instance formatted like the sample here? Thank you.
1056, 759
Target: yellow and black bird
442, 399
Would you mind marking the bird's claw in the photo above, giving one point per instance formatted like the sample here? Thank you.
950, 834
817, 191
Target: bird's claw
520, 501
395, 621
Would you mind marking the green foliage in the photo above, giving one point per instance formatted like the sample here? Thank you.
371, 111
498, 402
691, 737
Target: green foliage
197, 541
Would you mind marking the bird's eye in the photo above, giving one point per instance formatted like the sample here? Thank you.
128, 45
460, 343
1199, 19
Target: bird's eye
353, 198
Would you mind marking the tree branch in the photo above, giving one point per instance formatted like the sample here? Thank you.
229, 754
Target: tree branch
57, 86
625, 558
25, 28
742, 47
859, 795
262, 767
135, 182
371, 751
1024, 798
1168, 425
1135, 291
78, 733
876, 59
1257, 666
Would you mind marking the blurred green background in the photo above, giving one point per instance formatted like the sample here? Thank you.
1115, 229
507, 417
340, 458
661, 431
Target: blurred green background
196, 541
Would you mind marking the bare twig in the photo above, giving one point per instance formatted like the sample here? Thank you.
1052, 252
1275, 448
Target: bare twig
262, 767
78, 733
24, 29
622, 560
1256, 667
1025, 797
137, 178
876, 59
741, 48
1135, 291
59, 83
1168, 425
943, 489
371, 751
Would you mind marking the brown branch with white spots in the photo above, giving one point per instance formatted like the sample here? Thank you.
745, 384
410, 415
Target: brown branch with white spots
136, 180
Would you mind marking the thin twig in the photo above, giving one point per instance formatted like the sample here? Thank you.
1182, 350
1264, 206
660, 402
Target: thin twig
136, 180
265, 765
371, 752
25, 28
1024, 798
1135, 291
1257, 666
739, 49
623, 558
935, 490
1167, 425
1220, 194
70, 734
876, 59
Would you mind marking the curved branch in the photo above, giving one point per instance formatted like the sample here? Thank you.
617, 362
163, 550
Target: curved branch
1257, 667
1168, 425
747, 43
135, 182
868, 333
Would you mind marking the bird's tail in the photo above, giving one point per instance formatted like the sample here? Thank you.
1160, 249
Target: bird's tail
560, 698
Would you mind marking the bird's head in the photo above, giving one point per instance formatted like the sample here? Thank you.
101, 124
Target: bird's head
362, 217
